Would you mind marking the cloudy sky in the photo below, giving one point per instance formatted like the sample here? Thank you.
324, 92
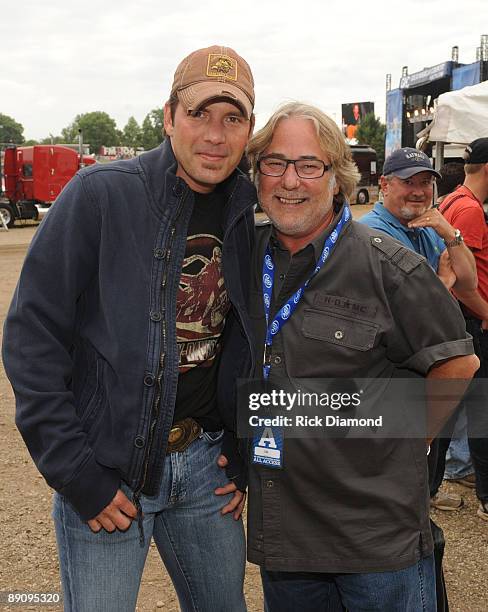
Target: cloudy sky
61, 58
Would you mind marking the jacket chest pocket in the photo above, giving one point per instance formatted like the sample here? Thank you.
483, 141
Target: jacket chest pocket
339, 329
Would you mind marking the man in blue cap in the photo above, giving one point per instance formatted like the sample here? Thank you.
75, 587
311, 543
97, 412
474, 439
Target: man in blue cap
406, 214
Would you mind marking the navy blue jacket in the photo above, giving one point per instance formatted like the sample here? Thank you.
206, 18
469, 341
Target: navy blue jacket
90, 338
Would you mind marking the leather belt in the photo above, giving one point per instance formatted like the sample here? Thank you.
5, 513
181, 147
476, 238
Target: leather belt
182, 434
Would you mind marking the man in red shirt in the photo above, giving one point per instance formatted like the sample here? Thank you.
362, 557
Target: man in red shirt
464, 211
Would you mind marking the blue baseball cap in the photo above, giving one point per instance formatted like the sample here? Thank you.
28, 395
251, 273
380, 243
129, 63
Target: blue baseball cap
406, 162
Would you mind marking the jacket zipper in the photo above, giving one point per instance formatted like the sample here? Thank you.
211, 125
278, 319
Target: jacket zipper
157, 400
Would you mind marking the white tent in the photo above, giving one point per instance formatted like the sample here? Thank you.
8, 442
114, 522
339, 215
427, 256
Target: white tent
461, 116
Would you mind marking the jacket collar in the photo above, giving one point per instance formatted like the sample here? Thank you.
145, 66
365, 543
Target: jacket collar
159, 168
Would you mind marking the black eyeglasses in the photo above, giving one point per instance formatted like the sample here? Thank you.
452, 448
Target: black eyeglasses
305, 168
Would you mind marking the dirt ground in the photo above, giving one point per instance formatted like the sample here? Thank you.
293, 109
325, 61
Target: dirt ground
28, 549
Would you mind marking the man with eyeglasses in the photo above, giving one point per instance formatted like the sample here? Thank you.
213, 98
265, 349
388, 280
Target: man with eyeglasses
406, 214
337, 522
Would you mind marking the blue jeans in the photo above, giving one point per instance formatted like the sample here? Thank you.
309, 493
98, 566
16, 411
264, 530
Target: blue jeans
458, 458
408, 590
203, 551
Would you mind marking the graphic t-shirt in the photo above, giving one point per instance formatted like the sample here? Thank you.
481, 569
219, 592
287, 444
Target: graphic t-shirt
201, 307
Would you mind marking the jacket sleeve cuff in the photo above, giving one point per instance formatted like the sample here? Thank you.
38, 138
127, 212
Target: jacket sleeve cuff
92, 489
236, 468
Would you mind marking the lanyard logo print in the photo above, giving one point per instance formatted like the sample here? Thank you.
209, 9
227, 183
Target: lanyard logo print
287, 310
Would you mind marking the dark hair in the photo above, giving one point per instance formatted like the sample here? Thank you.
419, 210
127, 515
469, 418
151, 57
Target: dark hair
173, 103
452, 176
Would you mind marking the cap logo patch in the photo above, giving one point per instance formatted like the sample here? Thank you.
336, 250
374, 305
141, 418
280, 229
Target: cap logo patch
222, 66
415, 155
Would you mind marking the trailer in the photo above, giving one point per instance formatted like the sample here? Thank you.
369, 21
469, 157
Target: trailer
365, 159
34, 177
459, 118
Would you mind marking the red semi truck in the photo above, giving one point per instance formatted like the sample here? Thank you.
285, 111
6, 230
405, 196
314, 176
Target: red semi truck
34, 176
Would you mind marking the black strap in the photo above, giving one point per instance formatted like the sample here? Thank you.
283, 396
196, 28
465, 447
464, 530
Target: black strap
443, 208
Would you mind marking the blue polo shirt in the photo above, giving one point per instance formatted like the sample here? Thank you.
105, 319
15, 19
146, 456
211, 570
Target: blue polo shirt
423, 240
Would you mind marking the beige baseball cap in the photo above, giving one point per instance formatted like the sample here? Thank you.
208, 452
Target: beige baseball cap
214, 72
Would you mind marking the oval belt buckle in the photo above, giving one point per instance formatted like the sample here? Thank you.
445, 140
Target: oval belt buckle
175, 435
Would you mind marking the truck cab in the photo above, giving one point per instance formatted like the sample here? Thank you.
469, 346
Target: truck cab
34, 177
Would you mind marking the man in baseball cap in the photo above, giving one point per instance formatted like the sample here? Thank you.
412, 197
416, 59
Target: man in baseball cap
125, 402
406, 214
463, 208
212, 88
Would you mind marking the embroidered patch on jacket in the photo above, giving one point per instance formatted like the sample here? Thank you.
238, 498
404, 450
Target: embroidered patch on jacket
222, 66
344, 303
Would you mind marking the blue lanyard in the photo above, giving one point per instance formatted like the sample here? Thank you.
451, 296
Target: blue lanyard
290, 306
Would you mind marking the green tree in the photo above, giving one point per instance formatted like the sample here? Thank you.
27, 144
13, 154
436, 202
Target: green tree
55, 140
372, 132
131, 134
152, 129
69, 134
10, 130
98, 129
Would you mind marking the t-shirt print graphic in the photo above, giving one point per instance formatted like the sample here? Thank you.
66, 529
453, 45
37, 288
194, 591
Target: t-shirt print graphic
202, 302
